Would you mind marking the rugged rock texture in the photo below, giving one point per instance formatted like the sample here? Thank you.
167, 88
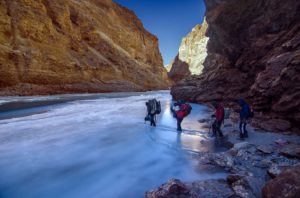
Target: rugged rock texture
200, 189
250, 166
254, 53
57, 46
191, 55
286, 185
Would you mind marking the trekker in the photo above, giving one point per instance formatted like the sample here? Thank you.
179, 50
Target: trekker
245, 114
219, 119
184, 110
153, 108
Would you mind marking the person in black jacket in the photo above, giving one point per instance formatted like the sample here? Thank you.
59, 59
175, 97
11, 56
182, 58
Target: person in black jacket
245, 114
151, 114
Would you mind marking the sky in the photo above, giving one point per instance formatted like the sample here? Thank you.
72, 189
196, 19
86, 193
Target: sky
169, 20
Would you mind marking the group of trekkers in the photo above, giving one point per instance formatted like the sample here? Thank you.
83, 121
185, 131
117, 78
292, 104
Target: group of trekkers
220, 114
181, 109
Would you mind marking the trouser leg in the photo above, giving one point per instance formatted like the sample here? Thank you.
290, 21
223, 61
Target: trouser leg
219, 129
214, 128
245, 129
179, 124
241, 127
152, 121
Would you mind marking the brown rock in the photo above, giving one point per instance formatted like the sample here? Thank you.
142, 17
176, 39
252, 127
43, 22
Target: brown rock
174, 188
199, 189
253, 53
54, 46
233, 178
179, 70
276, 170
292, 151
286, 185
275, 125
265, 149
247, 187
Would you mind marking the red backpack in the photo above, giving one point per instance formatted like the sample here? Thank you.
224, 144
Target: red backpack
185, 110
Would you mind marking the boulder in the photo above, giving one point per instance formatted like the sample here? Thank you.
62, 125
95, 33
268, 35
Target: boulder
285, 185
173, 188
265, 149
199, 189
276, 170
292, 151
247, 187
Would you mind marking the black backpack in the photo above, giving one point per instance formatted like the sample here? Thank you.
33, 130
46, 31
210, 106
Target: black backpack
153, 106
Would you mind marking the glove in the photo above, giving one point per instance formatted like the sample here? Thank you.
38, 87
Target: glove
213, 116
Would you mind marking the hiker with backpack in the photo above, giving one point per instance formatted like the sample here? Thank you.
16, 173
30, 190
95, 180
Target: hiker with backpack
183, 111
218, 119
245, 114
153, 108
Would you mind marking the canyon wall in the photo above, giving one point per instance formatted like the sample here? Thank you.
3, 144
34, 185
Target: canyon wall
253, 53
62, 46
191, 55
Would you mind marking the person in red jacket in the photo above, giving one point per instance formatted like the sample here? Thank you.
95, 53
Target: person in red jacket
184, 110
219, 118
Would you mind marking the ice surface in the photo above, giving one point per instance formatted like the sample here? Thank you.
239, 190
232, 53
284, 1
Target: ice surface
98, 147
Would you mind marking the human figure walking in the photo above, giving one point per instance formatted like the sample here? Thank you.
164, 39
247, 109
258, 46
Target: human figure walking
245, 114
219, 119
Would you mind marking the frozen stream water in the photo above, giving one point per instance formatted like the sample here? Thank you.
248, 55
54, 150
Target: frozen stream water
95, 146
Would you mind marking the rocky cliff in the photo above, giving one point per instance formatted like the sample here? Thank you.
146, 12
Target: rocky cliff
191, 55
254, 53
59, 46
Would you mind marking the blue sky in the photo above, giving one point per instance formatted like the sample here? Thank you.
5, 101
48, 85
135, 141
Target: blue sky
169, 20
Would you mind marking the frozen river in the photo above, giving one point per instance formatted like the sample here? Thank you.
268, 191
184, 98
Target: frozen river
95, 146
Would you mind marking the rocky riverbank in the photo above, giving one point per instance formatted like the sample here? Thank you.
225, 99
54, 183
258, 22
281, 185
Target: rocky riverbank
264, 165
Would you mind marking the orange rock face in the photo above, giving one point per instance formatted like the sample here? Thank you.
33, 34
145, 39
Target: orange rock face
60, 46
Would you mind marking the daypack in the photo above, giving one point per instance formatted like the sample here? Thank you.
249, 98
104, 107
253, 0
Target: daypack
185, 109
154, 106
220, 113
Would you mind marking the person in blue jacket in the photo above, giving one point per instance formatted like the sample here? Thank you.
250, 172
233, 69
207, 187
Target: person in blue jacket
245, 114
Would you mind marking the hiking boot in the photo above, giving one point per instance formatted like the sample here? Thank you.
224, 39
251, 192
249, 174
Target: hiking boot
242, 137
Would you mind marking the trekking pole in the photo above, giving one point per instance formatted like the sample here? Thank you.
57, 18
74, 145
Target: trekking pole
210, 127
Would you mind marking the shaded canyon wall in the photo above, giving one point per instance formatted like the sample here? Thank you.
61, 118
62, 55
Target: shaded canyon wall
60, 46
253, 53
